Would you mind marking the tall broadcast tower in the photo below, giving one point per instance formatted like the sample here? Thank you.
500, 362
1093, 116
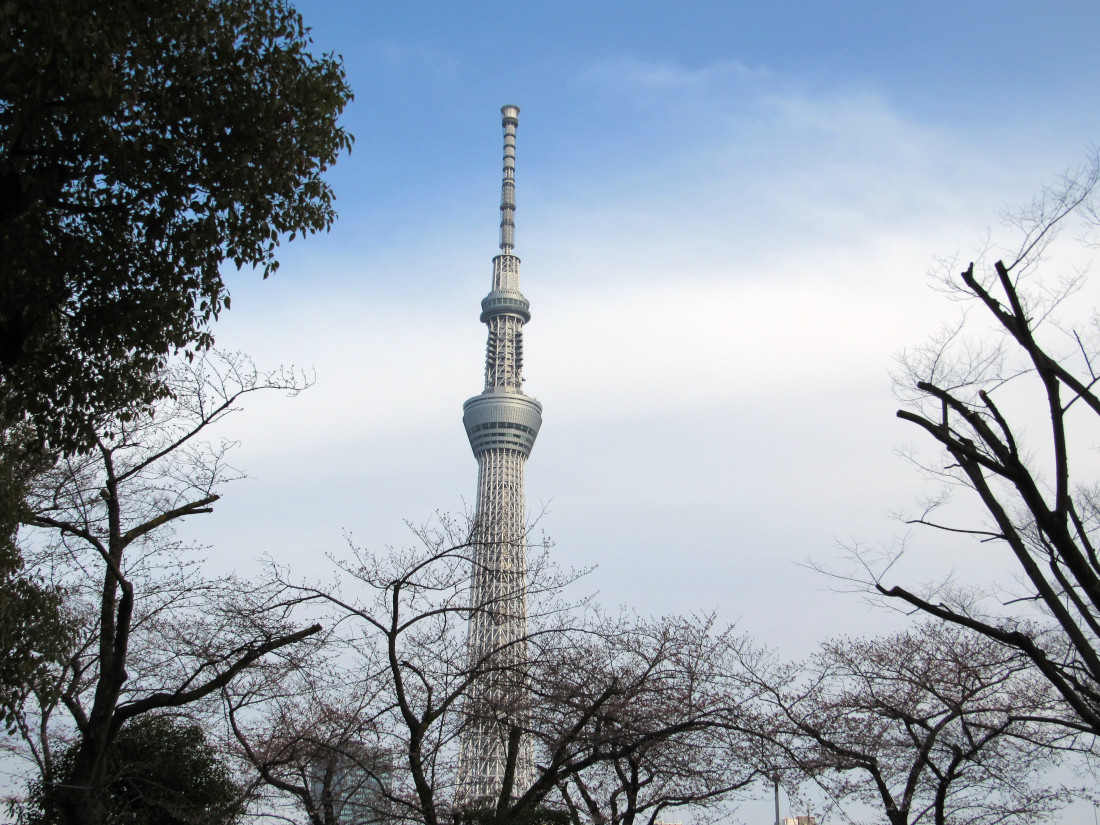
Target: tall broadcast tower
502, 424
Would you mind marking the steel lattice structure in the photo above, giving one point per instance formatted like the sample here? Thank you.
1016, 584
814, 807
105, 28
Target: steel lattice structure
502, 424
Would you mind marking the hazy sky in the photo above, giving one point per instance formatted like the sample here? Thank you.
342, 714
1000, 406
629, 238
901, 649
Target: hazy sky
726, 216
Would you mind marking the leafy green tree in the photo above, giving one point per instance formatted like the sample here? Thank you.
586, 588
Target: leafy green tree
143, 144
32, 630
32, 633
161, 771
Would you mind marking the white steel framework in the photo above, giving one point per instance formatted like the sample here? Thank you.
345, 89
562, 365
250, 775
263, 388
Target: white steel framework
502, 424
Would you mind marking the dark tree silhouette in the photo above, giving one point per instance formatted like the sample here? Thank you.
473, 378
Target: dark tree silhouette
1015, 412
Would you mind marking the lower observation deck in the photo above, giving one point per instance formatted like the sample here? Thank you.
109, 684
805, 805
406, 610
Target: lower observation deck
507, 420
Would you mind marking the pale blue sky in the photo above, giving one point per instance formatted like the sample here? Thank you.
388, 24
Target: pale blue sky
726, 216
609, 90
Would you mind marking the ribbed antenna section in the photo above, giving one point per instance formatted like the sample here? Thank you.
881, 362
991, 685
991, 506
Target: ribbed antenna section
510, 115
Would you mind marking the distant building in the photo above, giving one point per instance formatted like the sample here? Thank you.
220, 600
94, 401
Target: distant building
798, 820
355, 781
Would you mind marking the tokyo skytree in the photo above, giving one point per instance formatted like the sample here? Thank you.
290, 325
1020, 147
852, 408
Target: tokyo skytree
502, 424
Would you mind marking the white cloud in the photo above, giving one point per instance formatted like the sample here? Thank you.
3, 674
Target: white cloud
633, 75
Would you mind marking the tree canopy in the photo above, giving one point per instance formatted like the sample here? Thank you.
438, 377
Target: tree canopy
625, 718
144, 144
161, 771
935, 725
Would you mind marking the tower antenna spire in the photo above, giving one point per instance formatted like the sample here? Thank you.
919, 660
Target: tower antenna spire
510, 117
